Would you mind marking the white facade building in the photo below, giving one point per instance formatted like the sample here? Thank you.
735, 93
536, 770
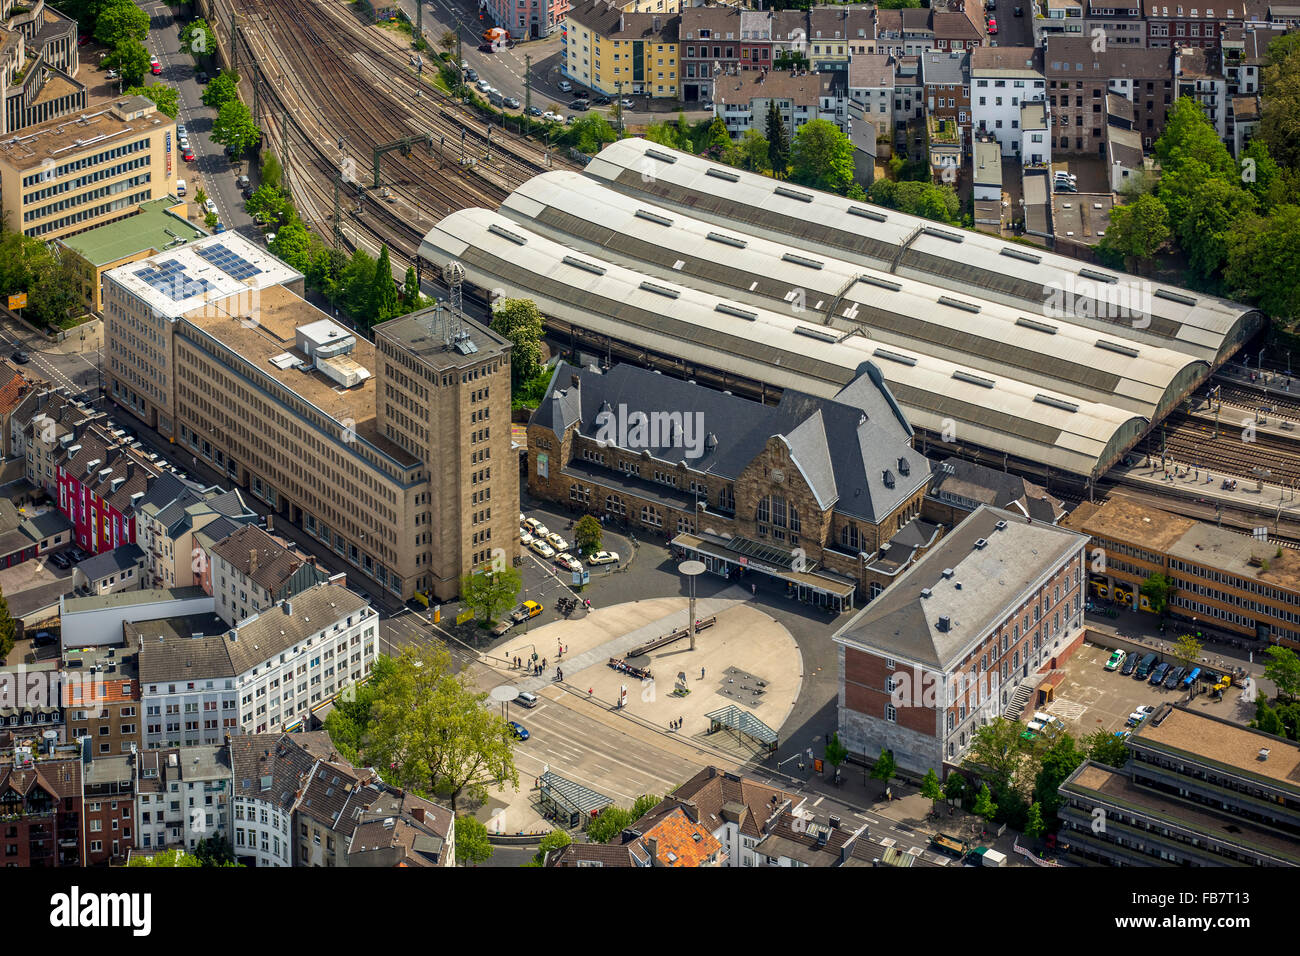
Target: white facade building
1003, 79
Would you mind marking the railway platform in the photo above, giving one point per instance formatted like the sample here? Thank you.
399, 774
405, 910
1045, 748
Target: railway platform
1278, 383
1187, 481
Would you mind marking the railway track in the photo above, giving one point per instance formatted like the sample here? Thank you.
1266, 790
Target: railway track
1241, 396
1192, 441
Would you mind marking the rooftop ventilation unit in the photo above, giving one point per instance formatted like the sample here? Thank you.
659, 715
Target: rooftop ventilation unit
819, 334
585, 266
926, 592
1098, 276
881, 283
1056, 403
1263, 753
944, 623
738, 313
727, 240
1021, 255
894, 357
867, 214
793, 194
958, 304
981, 542
974, 379
507, 234
1175, 297
941, 234
1116, 347
660, 290
654, 217
662, 157
947, 572
1001, 526
1037, 326
904, 467
722, 174
801, 261
888, 478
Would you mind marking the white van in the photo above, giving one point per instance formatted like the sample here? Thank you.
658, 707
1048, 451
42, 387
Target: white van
180, 187
527, 699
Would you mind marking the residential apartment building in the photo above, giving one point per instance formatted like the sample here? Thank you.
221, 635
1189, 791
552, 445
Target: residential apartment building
743, 100
1197, 790
269, 673
622, 53
104, 704
837, 33
1078, 80
673, 839
184, 796
1222, 579
1197, 77
401, 829
871, 85
267, 772
995, 604
527, 19
108, 801
780, 482
946, 81
789, 39
1003, 80
710, 47
755, 39
251, 571
958, 29
1244, 53
67, 175
41, 807
1176, 25
905, 32
1056, 18
1121, 22
169, 519
211, 344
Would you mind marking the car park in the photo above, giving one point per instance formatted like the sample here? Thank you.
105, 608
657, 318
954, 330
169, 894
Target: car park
543, 549
568, 561
1140, 714
556, 541
1116, 660
518, 730
1158, 675
603, 557
1144, 666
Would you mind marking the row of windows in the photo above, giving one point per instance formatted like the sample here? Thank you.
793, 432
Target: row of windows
55, 172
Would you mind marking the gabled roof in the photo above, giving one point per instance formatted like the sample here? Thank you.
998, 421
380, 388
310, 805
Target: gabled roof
269, 767
714, 797
676, 841
274, 566
112, 562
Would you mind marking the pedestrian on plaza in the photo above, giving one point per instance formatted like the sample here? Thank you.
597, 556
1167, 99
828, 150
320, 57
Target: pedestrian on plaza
543, 663
701, 673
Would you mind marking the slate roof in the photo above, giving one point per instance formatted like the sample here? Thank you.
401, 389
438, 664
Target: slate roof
218, 530
800, 841
940, 67
1073, 58
997, 488
871, 71
842, 446
112, 562
269, 768
275, 563
987, 583
401, 829
599, 854
713, 797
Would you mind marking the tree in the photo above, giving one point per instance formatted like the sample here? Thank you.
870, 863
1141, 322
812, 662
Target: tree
749, 152
215, 851
717, 139
1058, 761
1279, 118
1138, 230
1189, 136
1104, 747
1034, 827
1263, 259
447, 40
55, 294
778, 141
885, 767
272, 172
931, 789
984, 805
954, 788
821, 156
520, 321
1187, 650
487, 593
164, 97
210, 220
663, 134
1157, 588
643, 805
433, 733
592, 133
1283, 669
608, 824
198, 38
384, 303
555, 840
588, 534
271, 203
7, 628
1207, 212
836, 752
898, 4
411, 289
235, 128
472, 844
998, 750
1261, 176
222, 89
165, 858
131, 59
120, 20
348, 723
918, 199
1267, 718
353, 284
293, 244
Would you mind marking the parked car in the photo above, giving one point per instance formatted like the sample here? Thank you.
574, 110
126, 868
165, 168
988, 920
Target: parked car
556, 541
78, 555
601, 100
483, 86
519, 730
1174, 677
112, 74
1130, 662
188, 155
525, 611
183, 142
566, 86
502, 626
525, 538
512, 102
1020, 12
155, 68
553, 117
535, 526
543, 549
485, 47
21, 357
1158, 675
603, 557
993, 27
1116, 659
568, 561
60, 560
534, 111
181, 130
1190, 679
627, 102
209, 205
1144, 666
464, 66
582, 94
527, 699
580, 105
83, 39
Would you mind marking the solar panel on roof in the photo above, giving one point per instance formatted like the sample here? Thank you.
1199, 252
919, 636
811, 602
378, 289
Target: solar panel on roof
171, 279
231, 263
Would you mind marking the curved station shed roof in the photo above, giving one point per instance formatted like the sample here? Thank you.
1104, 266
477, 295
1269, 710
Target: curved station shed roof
918, 316
942, 391
969, 263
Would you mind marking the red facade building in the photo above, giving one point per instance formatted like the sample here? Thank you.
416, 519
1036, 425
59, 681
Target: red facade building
40, 808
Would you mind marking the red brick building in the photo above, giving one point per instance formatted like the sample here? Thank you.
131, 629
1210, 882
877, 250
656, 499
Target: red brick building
41, 807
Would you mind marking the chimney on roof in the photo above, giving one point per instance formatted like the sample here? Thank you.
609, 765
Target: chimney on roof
652, 844
252, 561
418, 813
657, 21
288, 608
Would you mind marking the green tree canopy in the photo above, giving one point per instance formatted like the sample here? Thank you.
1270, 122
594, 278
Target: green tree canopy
165, 858
489, 593
1267, 718
432, 731
954, 788
588, 534
821, 156
1034, 826
916, 198
931, 789
7, 628
1058, 761
271, 203
272, 172
1282, 667
131, 59
215, 851
197, 37
163, 96
998, 750
1157, 588
384, 301
836, 752
1104, 747
1279, 119
1189, 136
778, 141
411, 297
235, 127
984, 805
1138, 230
555, 840
643, 805
520, 321
1263, 258
221, 90
120, 20
608, 824
1187, 650
749, 152
472, 844
885, 767
592, 133
293, 244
